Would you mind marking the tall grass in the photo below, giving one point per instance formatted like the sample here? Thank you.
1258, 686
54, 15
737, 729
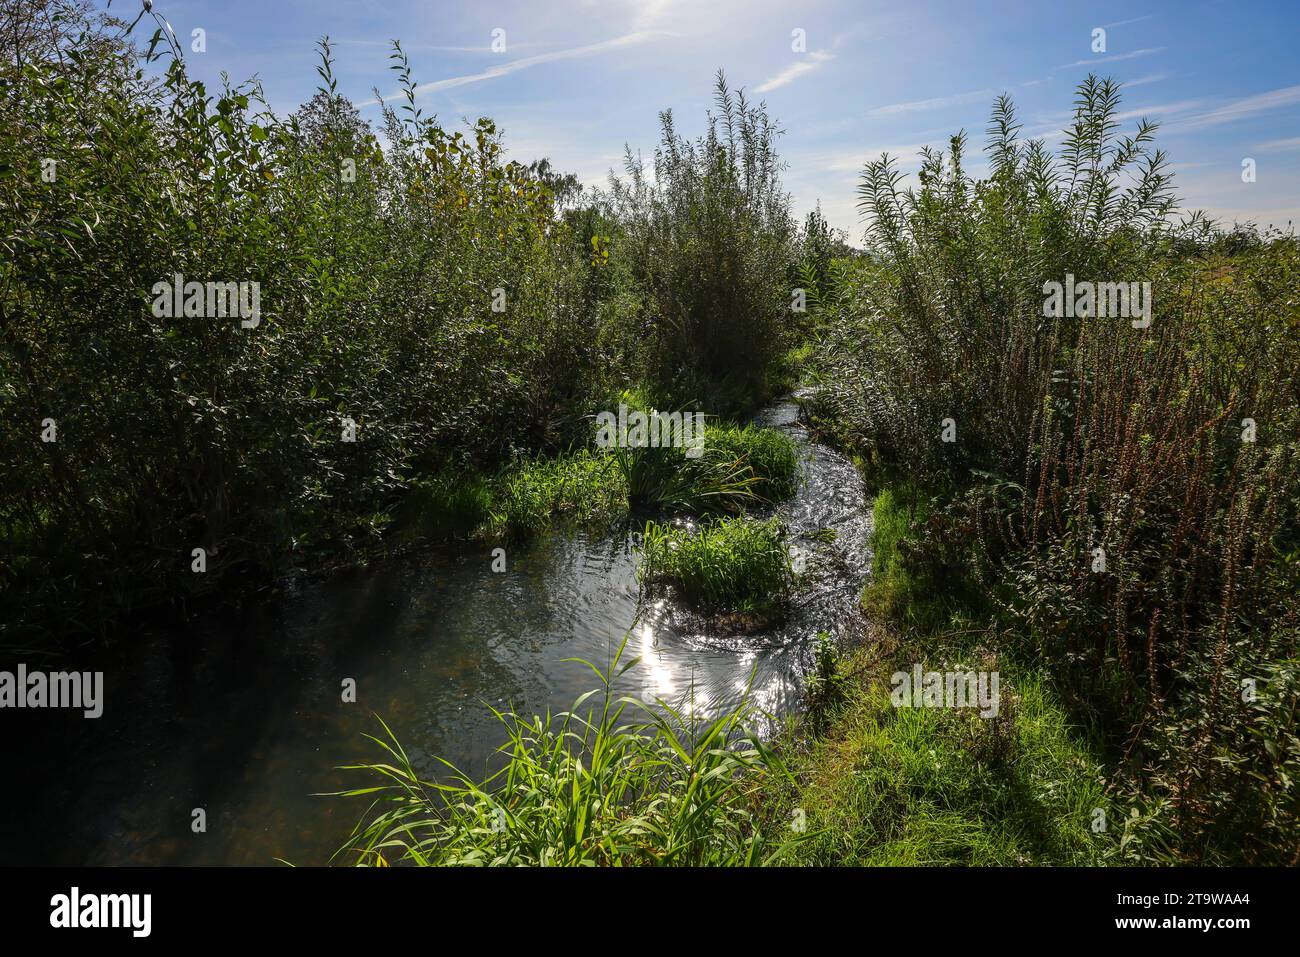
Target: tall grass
771, 455
610, 782
909, 787
737, 467
583, 485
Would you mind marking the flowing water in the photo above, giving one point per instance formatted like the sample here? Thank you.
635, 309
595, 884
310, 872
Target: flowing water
242, 715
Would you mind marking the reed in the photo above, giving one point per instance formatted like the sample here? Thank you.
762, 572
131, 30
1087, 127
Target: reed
610, 782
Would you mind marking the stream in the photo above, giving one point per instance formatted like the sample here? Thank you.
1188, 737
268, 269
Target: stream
241, 714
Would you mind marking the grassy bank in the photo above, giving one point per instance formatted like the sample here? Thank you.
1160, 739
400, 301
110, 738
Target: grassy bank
878, 784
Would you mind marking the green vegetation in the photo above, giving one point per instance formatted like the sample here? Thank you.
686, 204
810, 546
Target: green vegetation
662, 479
621, 783
731, 564
903, 786
1106, 515
827, 683
922, 786
771, 455
580, 486
429, 314
1104, 510
712, 245
1117, 509
739, 467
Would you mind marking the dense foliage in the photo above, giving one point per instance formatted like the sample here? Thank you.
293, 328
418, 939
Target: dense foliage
426, 307
1125, 497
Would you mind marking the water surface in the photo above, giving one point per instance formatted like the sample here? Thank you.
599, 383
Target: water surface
242, 715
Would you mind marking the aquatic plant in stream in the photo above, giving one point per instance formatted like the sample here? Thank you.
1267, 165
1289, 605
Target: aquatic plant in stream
732, 564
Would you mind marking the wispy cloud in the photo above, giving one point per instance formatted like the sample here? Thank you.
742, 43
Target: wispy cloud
484, 47
1054, 126
514, 66
1114, 58
1243, 109
1279, 146
814, 60
1144, 80
1124, 23
1158, 110
937, 103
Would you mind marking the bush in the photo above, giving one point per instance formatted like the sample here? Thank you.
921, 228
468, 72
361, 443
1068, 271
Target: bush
712, 246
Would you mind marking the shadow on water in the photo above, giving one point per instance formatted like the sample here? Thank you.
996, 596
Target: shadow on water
242, 715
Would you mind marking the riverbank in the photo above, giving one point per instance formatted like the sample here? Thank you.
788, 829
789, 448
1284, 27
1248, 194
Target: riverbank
875, 783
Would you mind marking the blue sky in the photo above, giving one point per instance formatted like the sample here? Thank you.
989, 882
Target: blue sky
580, 78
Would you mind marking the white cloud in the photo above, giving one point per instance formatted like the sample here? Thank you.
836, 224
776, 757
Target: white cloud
514, 66
936, 103
1113, 59
1279, 146
1143, 81
814, 60
1124, 23
1243, 109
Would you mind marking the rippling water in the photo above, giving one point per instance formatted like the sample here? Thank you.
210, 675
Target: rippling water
242, 715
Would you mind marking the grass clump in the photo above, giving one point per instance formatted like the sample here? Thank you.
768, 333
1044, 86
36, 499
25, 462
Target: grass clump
664, 480
520, 503
826, 684
770, 455
732, 564
619, 783
737, 467
582, 486
660, 476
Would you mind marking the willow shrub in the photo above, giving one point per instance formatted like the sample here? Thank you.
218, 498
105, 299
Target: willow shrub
1126, 496
712, 247
425, 297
